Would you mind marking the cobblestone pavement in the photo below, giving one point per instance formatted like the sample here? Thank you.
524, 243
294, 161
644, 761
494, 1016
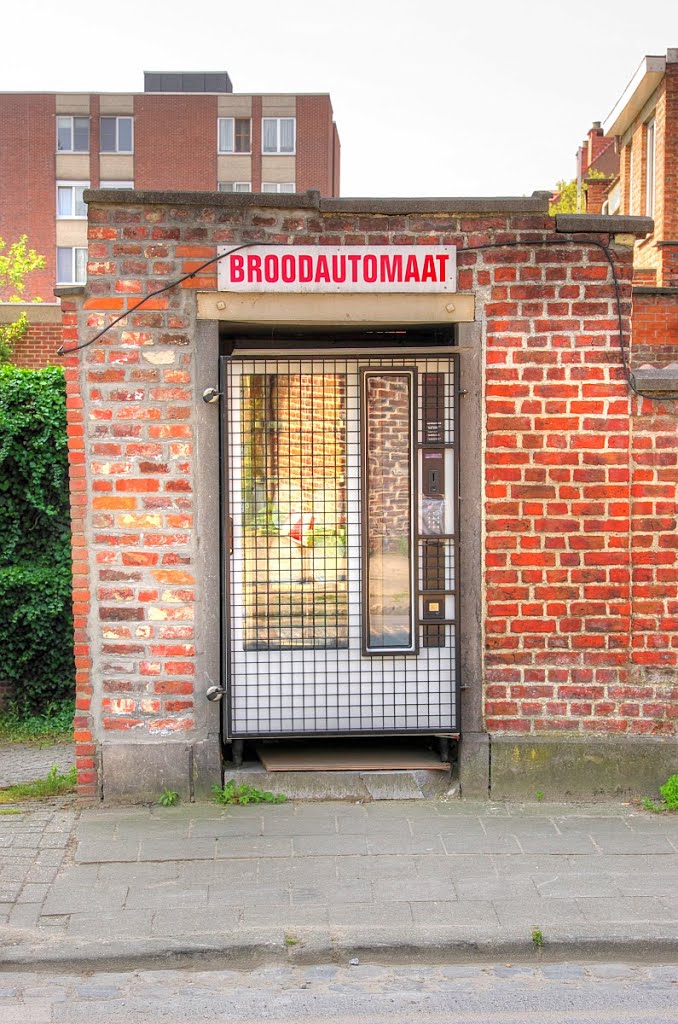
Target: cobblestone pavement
25, 762
575, 993
325, 878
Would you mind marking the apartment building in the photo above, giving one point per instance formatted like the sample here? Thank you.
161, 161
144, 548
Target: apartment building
629, 166
644, 124
184, 132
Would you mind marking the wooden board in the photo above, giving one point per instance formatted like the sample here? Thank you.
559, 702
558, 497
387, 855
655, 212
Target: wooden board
333, 756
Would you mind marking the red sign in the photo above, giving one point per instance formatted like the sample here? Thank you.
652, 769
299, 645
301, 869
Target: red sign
329, 268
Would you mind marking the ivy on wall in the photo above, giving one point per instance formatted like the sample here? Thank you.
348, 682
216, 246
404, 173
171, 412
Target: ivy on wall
36, 623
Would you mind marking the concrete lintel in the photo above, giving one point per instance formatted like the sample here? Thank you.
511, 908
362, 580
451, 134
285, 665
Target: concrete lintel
37, 312
661, 380
591, 223
314, 309
69, 291
653, 289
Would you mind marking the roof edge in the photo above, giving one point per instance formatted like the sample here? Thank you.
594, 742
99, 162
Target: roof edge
643, 83
538, 202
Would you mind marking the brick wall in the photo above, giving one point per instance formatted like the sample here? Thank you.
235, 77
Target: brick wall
175, 142
27, 174
39, 345
579, 517
655, 328
315, 146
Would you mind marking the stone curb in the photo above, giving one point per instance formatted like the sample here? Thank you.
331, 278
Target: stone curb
245, 955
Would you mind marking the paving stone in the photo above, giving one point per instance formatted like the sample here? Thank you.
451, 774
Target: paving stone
255, 846
33, 892
416, 890
358, 891
593, 884
384, 866
625, 908
537, 912
564, 971
177, 849
69, 897
26, 762
24, 915
100, 851
394, 915
286, 917
403, 844
192, 922
455, 913
331, 846
234, 896
112, 924
166, 895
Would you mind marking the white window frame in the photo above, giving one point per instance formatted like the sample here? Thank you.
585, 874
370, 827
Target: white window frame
234, 151
116, 184
234, 186
72, 185
74, 263
650, 166
278, 151
278, 187
117, 118
72, 118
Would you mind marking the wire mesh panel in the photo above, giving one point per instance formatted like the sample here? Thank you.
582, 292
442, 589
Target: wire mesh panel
340, 531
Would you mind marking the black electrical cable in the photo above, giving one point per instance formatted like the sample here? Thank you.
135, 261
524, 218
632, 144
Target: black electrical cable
151, 295
559, 240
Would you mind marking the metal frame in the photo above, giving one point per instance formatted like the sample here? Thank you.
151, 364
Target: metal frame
413, 648
253, 351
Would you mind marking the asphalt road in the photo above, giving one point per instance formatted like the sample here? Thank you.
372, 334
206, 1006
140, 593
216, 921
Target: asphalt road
364, 994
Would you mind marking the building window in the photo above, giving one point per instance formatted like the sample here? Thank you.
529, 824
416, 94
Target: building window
70, 204
71, 265
234, 134
235, 186
279, 134
650, 149
117, 135
629, 164
72, 134
116, 184
277, 186
612, 204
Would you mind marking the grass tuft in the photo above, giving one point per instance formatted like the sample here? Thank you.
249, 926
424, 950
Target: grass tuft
243, 794
55, 784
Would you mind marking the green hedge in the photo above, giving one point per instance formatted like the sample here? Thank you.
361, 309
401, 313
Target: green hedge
36, 621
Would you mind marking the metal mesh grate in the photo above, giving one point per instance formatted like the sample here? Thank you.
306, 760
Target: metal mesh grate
295, 576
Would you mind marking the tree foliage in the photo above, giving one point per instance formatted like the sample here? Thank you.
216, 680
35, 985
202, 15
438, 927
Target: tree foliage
16, 263
566, 198
36, 630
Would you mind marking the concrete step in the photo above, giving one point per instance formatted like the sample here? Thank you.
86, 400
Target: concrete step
401, 784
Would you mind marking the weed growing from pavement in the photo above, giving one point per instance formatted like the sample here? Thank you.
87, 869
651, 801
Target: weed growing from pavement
669, 797
291, 940
168, 798
231, 793
537, 938
540, 795
55, 784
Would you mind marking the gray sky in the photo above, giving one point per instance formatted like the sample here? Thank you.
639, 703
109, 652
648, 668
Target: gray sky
431, 97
